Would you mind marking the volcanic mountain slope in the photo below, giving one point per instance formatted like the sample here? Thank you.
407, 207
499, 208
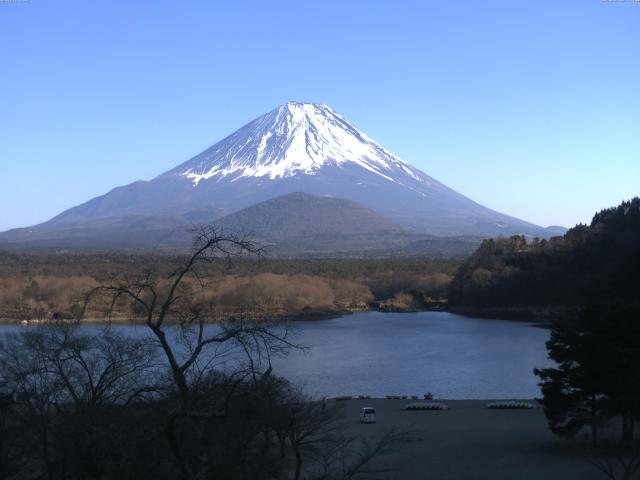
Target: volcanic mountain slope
298, 214
298, 147
302, 225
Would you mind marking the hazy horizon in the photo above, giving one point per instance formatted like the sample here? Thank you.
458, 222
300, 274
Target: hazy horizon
532, 110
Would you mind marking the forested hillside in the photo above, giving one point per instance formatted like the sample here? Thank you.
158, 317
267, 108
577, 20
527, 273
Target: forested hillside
596, 263
36, 286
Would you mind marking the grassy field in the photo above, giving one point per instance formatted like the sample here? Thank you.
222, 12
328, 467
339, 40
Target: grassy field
470, 442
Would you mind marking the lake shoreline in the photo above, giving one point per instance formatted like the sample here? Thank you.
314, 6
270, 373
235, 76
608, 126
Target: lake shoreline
533, 314
281, 318
539, 314
401, 400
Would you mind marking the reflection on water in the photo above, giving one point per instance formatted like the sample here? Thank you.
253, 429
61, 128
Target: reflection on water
379, 354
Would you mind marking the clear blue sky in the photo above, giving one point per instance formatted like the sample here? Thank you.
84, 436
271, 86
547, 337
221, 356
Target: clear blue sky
531, 108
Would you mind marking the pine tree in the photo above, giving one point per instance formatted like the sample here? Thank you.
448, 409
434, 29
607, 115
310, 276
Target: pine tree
597, 377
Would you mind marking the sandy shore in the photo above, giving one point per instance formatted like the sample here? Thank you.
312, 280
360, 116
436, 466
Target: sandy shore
470, 441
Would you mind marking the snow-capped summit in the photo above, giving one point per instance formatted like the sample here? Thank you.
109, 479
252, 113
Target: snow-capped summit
294, 139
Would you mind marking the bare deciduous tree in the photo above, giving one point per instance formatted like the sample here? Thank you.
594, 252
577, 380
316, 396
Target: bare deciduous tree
62, 380
169, 301
165, 301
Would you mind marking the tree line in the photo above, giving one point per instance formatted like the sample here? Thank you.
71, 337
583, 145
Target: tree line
36, 287
597, 263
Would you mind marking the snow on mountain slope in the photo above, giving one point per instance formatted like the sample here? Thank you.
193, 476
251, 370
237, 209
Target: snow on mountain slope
294, 139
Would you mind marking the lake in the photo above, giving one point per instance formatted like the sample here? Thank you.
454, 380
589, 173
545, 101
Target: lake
378, 354
452, 356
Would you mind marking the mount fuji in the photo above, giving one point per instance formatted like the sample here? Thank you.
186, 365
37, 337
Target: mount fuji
297, 147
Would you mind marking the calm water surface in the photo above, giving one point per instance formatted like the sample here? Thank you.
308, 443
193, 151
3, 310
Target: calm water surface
449, 355
379, 354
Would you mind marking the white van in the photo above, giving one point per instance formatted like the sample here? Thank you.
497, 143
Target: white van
367, 415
